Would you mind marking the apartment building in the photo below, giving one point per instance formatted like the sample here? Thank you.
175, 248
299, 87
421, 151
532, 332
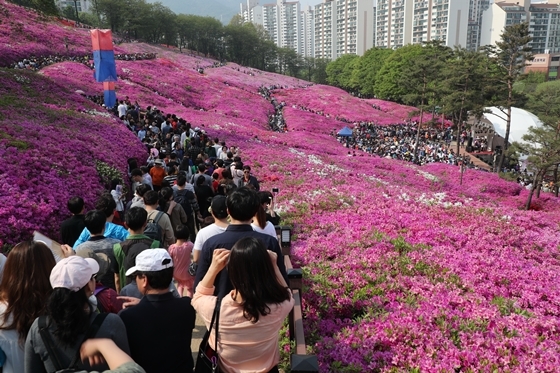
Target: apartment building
543, 19
476, 10
325, 25
402, 22
547, 63
343, 27
285, 22
308, 31
252, 12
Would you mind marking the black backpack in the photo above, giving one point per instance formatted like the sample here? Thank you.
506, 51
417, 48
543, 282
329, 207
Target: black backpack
153, 230
49, 343
184, 198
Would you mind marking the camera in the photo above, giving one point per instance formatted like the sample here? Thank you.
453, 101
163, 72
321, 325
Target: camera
274, 190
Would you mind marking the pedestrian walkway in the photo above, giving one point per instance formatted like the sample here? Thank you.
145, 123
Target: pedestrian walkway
477, 162
197, 335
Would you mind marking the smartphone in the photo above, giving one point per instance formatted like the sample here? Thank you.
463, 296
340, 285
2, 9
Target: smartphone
119, 189
274, 190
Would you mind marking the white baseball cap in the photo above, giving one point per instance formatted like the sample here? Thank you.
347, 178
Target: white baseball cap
151, 260
73, 273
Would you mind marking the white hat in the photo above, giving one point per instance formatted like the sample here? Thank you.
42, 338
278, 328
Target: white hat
151, 260
73, 273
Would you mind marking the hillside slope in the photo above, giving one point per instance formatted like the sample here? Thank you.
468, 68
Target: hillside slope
405, 269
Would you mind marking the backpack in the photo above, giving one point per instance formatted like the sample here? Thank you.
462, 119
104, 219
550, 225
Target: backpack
153, 230
49, 343
184, 198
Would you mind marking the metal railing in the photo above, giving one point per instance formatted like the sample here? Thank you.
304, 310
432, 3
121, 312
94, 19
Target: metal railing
300, 360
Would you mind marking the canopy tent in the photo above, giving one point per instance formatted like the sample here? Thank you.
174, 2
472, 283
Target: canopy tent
521, 120
347, 132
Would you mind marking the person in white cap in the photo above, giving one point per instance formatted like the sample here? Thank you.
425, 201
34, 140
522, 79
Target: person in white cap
160, 324
54, 341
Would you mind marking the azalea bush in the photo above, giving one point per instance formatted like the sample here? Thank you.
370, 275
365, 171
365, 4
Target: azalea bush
50, 142
405, 270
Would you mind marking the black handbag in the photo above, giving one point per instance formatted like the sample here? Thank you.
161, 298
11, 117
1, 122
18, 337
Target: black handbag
47, 341
207, 359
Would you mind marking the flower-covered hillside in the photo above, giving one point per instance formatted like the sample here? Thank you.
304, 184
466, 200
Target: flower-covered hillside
25, 33
405, 269
334, 102
51, 141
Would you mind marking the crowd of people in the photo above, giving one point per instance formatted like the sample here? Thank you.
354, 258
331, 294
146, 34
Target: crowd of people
37, 63
399, 142
276, 120
195, 235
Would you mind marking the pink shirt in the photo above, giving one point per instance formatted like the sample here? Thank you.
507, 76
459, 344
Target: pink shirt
181, 255
243, 346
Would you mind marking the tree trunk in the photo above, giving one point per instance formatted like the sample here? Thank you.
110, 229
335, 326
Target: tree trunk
539, 184
530, 197
506, 137
418, 134
556, 181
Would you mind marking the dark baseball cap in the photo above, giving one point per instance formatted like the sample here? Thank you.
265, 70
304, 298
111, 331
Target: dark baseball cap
219, 208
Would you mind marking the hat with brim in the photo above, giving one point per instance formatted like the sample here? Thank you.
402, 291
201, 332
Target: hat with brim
152, 260
73, 273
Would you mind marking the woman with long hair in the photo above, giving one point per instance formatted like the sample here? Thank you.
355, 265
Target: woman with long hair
176, 212
260, 224
252, 314
24, 291
69, 320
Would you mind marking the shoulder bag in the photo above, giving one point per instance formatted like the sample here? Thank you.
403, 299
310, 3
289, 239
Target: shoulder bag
207, 360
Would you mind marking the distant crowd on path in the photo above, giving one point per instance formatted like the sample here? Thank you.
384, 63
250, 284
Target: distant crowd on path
398, 141
196, 237
37, 63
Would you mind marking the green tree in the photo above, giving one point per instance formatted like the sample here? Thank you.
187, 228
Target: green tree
112, 13
339, 71
541, 145
69, 12
389, 77
545, 103
45, 6
421, 80
367, 67
288, 61
320, 73
462, 86
510, 55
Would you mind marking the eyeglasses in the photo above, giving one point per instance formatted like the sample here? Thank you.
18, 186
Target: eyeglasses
94, 277
246, 172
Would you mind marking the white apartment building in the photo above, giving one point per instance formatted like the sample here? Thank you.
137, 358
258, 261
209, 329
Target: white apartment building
402, 22
476, 9
307, 18
252, 12
543, 18
325, 26
343, 27
285, 22
290, 26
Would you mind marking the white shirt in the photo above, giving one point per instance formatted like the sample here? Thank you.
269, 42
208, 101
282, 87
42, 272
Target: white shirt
122, 110
205, 233
268, 229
